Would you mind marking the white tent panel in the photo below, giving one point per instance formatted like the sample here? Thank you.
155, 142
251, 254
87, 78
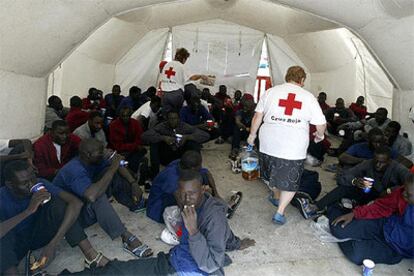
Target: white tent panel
403, 101
230, 52
140, 65
80, 72
282, 57
22, 105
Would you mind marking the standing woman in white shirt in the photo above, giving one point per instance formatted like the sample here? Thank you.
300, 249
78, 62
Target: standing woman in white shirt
172, 80
286, 111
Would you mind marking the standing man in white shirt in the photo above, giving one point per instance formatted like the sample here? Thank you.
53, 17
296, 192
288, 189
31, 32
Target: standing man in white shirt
172, 80
286, 111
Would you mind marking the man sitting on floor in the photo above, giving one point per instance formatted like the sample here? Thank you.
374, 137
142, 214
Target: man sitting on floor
54, 149
54, 111
112, 101
385, 172
76, 116
359, 109
381, 231
322, 102
30, 220
169, 140
380, 120
93, 179
396, 141
92, 128
339, 115
125, 137
196, 115
243, 121
133, 101
166, 183
148, 113
94, 100
205, 239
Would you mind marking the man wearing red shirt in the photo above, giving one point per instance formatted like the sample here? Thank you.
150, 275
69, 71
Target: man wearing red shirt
125, 137
381, 231
322, 102
76, 116
54, 149
359, 108
94, 101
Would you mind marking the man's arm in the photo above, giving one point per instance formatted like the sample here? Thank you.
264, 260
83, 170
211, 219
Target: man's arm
212, 184
41, 161
347, 159
34, 204
153, 135
380, 208
196, 135
95, 190
360, 170
239, 122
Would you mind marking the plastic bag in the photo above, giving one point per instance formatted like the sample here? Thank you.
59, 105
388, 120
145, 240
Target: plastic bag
173, 220
322, 231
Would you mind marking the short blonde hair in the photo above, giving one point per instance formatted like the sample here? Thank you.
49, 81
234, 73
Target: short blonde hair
295, 73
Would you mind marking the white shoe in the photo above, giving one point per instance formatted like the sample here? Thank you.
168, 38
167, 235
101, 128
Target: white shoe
169, 238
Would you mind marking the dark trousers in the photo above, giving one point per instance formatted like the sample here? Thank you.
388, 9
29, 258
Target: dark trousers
317, 150
238, 136
367, 242
48, 218
159, 265
226, 125
135, 158
350, 192
172, 101
161, 153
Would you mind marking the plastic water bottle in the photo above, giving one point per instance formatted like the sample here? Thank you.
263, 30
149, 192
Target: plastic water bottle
249, 163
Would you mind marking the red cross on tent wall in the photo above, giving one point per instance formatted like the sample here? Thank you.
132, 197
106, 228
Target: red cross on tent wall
170, 72
290, 104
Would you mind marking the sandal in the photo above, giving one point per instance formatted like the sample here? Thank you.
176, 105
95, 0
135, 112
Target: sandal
139, 251
237, 200
273, 200
95, 262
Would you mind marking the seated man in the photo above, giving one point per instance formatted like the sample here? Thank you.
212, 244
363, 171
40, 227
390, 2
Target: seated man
360, 152
31, 221
76, 116
133, 101
93, 180
94, 100
339, 115
381, 231
54, 111
112, 101
243, 121
196, 115
125, 137
237, 97
54, 149
149, 94
165, 184
380, 120
396, 141
359, 109
148, 113
206, 236
169, 140
322, 102
92, 128
385, 172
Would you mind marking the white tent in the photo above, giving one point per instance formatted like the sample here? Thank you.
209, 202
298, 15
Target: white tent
67, 46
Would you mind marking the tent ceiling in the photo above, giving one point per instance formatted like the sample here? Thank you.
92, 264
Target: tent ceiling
37, 35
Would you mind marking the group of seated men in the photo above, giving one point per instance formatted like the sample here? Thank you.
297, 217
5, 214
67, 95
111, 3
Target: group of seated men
94, 152
80, 163
372, 206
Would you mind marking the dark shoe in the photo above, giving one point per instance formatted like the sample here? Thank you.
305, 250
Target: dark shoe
305, 208
219, 141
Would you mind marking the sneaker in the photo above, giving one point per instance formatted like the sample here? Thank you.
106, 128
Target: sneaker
305, 208
279, 219
347, 203
169, 238
147, 186
219, 141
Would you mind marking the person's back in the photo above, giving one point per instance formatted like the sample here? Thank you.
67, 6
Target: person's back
288, 110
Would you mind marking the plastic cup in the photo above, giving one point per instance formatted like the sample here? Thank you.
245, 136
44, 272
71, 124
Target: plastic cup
178, 138
210, 123
341, 132
368, 267
37, 188
370, 180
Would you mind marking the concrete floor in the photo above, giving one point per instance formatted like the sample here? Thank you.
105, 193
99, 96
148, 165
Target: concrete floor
291, 249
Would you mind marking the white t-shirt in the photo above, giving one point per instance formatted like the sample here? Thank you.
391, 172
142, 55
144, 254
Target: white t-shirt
146, 111
58, 151
287, 111
173, 76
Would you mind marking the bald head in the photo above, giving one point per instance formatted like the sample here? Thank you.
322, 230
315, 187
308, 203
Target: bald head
91, 151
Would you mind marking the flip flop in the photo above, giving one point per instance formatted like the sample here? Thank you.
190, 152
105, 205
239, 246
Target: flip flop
237, 201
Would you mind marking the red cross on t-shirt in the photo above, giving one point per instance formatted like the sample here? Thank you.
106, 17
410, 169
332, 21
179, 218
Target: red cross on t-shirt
170, 72
289, 104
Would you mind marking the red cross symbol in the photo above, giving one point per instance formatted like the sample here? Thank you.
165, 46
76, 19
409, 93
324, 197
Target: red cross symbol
170, 72
289, 104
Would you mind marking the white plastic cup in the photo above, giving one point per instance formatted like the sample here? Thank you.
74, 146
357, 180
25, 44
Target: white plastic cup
341, 132
368, 267
370, 180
